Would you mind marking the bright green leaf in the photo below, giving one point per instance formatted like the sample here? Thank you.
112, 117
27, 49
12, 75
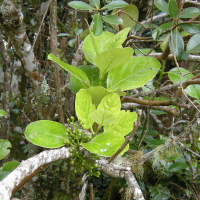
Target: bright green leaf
111, 103
134, 73
7, 168
112, 58
124, 124
191, 28
102, 43
162, 5
175, 167
72, 41
115, 4
156, 33
113, 19
2, 113
98, 93
98, 25
103, 117
106, 144
78, 73
84, 107
198, 101
173, 8
80, 5
159, 193
119, 38
193, 45
144, 51
45, 133
4, 148
189, 12
95, 3
178, 44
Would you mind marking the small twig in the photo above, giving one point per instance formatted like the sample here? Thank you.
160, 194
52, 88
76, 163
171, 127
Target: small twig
110, 188
41, 25
91, 191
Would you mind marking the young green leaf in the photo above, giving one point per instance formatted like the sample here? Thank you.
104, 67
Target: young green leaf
103, 117
4, 148
2, 113
119, 38
78, 73
113, 19
115, 4
106, 144
7, 168
178, 44
124, 124
111, 103
45, 133
98, 25
71, 42
89, 49
92, 73
189, 12
84, 108
175, 167
162, 5
134, 73
156, 33
95, 3
193, 45
159, 193
112, 58
80, 5
173, 8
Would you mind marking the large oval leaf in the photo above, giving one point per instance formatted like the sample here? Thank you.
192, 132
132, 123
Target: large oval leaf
7, 168
112, 58
191, 90
106, 144
45, 133
175, 167
95, 3
132, 11
178, 44
84, 107
193, 45
189, 12
103, 117
102, 43
4, 148
111, 103
79, 74
134, 73
124, 124
80, 5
